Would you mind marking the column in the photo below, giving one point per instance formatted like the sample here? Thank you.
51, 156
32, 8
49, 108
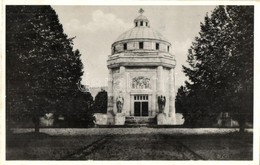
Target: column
123, 87
154, 103
172, 94
153, 95
127, 93
110, 99
150, 110
132, 105
159, 85
110, 91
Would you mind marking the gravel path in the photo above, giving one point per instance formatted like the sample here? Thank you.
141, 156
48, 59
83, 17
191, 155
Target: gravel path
136, 147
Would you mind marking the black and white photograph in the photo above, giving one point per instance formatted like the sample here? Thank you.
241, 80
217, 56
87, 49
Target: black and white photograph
130, 82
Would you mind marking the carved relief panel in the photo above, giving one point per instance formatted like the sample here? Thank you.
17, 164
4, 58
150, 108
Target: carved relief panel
141, 82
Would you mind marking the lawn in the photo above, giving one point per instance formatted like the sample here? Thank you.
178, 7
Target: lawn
129, 144
231, 146
175, 147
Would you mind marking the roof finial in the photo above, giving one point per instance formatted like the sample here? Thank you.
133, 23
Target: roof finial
141, 11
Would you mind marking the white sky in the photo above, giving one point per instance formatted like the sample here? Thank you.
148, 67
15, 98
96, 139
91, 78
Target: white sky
97, 27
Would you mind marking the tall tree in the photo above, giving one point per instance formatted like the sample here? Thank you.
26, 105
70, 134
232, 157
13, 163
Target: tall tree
241, 62
221, 63
42, 70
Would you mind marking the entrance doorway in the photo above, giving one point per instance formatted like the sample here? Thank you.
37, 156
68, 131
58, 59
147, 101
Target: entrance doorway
141, 105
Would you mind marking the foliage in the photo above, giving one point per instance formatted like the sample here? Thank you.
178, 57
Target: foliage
42, 70
80, 112
220, 67
100, 105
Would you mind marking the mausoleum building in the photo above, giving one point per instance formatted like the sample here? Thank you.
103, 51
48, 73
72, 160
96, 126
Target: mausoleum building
141, 86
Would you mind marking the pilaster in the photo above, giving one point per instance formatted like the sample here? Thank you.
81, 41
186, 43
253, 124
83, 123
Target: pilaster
171, 94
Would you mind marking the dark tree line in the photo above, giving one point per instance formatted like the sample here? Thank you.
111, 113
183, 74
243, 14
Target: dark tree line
42, 69
100, 105
220, 68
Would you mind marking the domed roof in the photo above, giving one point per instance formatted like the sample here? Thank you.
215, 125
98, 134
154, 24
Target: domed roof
142, 30
141, 33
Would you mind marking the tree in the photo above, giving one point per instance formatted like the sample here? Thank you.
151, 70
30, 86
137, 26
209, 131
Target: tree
242, 19
221, 63
194, 105
180, 100
42, 70
100, 105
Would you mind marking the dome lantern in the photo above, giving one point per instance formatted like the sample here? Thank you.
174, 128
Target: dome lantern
141, 21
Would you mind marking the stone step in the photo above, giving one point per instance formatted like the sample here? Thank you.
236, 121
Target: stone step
136, 120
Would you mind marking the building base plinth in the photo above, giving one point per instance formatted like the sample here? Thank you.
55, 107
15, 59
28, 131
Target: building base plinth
100, 119
119, 119
163, 119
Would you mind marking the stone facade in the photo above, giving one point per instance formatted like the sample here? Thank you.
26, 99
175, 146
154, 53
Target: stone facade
141, 69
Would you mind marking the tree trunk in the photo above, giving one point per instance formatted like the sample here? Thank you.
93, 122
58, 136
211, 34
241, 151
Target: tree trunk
242, 123
36, 121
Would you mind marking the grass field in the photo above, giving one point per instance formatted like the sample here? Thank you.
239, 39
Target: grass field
129, 144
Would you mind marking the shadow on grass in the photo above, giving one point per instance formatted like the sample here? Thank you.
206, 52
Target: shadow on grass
41, 146
20, 139
246, 137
